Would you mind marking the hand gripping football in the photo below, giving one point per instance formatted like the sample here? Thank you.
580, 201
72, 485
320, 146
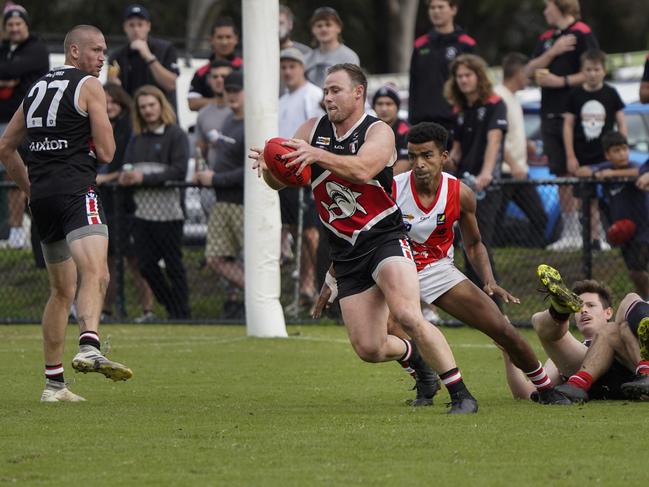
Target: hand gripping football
273, 151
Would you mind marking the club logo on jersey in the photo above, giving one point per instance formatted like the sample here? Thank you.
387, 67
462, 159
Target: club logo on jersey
407, 216
441, 218
353, 147
48, 145
344, 204
323, 140
481, 113
451, 53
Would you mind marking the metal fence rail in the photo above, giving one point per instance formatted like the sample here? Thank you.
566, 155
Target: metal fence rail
519, 245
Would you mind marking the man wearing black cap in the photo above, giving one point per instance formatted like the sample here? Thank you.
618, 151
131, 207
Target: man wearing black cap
23, 59
224, 248
146, 60
386, 103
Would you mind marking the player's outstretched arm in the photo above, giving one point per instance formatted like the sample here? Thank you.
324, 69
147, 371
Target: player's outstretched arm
93, 100
475, 249
9, 142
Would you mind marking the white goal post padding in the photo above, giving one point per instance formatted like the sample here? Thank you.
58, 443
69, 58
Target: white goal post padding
262, 222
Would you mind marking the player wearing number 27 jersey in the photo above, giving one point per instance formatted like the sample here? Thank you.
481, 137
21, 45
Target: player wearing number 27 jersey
64, 123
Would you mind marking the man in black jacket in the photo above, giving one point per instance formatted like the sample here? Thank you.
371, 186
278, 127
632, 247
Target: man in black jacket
431, 56
23, 59
145, 60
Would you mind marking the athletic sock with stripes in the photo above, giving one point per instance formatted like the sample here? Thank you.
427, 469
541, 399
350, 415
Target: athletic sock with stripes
582, 380
452, 379
54, 372
89, 338
539, 378
642, 368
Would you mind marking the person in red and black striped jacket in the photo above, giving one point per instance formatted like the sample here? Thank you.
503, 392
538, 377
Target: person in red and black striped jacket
431, 57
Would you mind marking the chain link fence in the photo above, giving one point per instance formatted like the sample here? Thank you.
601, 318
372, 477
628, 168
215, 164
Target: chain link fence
176, 254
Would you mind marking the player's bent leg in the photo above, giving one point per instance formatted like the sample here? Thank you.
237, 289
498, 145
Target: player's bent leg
398, 281
365, 316
635, 312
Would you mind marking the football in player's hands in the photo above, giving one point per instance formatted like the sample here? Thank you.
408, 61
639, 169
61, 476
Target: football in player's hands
273, 152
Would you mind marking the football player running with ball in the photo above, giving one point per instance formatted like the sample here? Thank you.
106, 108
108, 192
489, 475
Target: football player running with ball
351, 155
431, 201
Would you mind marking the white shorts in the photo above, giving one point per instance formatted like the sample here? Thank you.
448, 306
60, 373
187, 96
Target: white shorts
438, 278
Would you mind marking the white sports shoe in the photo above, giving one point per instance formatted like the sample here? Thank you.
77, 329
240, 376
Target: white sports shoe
565, 244
89, 359
60, 395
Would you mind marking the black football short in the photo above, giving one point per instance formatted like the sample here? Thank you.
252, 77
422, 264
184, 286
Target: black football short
358, 275
609, 385
58, 216
552, 136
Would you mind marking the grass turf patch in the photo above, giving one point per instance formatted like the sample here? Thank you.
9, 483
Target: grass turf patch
208, 406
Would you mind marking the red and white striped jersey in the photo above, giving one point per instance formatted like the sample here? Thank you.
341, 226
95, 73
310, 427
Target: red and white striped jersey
430, 229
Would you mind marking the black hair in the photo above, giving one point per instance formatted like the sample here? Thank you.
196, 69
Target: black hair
429, 132
594, 56
512, 63
595, 287
613, 138
224, 22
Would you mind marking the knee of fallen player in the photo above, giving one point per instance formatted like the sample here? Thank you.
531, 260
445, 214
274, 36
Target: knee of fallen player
625, 305
545, 326
410, 319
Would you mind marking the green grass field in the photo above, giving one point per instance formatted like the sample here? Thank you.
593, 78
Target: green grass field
208, 406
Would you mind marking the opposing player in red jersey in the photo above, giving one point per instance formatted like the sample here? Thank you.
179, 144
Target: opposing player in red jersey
351, 156
431, 201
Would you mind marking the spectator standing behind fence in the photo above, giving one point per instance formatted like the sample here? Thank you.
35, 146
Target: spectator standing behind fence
514, 164
326, 27
224, 248
158, 153
119, 104
592, 110
300, 103
145, 60
478, 143
386, 103
23, 59
644, 84
431, 57
286, 20
556, 67
625, 202
223, 41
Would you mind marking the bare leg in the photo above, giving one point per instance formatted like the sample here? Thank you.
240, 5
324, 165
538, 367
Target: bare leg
564, 349
472, 306
230, 269
400, 285
640, 281
63, 284
89, 254
16, 201
601, 352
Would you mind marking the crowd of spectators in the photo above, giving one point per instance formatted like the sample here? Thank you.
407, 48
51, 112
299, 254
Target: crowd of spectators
448, 84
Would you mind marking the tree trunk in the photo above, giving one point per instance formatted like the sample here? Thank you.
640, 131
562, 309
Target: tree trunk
401, 30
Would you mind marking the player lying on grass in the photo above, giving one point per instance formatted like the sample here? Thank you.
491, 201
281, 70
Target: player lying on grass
605, 364
431, 201
351, 155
